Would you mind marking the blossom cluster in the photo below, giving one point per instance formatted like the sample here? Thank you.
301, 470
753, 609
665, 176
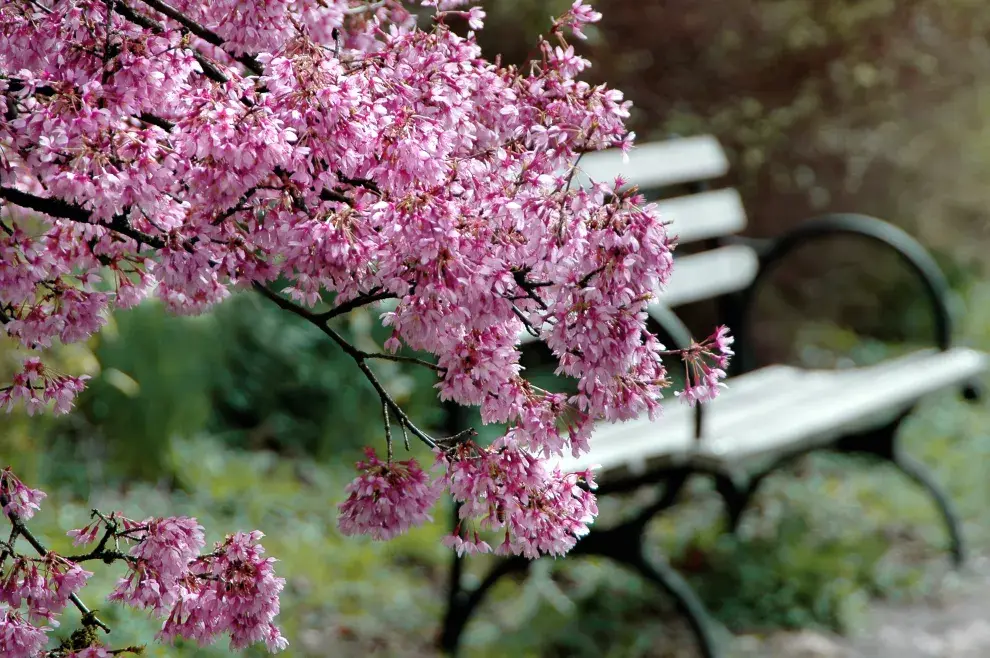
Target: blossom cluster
185, 149
231, 590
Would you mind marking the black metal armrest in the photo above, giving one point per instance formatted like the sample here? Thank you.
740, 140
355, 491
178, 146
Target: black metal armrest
910, 251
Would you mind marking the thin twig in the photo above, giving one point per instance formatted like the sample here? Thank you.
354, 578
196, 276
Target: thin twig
360, 300
360, 358
42, 551
530, 288
587, 278
398, 358
530, 329
388, 432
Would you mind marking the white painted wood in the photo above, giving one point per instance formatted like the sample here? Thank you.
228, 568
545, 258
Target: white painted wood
656, 164
844, 401
777, 410
703, 216
709, 274
627, 446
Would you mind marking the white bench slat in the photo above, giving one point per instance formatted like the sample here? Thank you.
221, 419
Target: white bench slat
857, 395
656, 164
778, 409
629, 445
703, 216
709, 274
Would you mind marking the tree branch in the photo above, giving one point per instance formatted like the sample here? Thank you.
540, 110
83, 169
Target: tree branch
360, 358
42, 551
357, 302
164, 124
73, 212
398, 358
369, 185
206, 35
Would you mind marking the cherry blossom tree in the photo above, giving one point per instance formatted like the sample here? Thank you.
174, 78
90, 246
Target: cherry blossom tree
331, 155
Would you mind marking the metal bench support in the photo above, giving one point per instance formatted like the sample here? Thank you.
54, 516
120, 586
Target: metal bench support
625, 544
880, 443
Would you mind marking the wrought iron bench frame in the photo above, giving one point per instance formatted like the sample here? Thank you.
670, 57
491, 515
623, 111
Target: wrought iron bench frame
626, 544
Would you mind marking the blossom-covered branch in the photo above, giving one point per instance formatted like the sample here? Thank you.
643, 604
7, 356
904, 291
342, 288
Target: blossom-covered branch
230, 590
185, 150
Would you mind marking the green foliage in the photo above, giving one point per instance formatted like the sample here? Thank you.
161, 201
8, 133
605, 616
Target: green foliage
285, 385
249, 373
157, 371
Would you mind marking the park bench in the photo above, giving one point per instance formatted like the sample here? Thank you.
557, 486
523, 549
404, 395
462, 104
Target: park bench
767, 416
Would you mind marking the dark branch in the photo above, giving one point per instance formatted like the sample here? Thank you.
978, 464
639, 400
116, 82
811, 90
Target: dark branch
164, 124
589, 276
65, 210
360, 358
330, 195
530, 288
206, 35
23, 530
530, 329
357, 302
398, 358
369, 185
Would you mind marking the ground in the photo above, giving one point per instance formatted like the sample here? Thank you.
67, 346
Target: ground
953, 623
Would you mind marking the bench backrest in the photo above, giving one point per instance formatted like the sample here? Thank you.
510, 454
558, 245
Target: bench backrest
699, 215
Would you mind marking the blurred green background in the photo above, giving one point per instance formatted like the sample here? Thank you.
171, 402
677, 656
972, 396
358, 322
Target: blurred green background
248, 418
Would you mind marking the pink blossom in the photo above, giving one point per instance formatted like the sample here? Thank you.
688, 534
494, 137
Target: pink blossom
20, 499
540, 511
37, 385
162, 556
578, 16
85, 535
387, 498
19, 639
233, 590
44, 585
348, 154
705, 365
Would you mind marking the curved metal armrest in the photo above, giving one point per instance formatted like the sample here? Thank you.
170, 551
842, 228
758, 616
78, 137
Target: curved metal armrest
910, 251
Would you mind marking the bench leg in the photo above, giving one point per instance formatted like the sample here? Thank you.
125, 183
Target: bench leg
463, 603
736, 494
921, 475
661, 574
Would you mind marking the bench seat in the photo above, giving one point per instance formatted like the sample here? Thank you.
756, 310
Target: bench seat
775, 410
